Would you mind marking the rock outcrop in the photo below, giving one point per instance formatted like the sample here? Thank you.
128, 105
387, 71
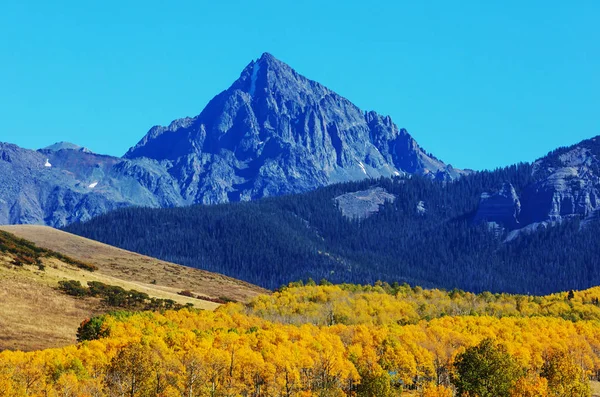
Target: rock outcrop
566, 184
66, 146
502, 207
569, 184
364, 203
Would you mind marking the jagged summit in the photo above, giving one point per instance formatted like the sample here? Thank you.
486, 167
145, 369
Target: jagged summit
268, 74
268, 60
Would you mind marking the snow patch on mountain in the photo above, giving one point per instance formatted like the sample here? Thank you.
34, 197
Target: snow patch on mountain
362, 167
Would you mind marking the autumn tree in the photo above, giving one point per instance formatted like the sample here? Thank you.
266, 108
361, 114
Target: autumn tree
565, 377
433, 390
531, 385
130, 371
247, 351
91, 329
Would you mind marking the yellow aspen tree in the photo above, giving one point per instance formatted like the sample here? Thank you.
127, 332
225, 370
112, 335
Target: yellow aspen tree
531, 386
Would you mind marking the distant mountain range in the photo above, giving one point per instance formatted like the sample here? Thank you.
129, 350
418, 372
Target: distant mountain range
273, 132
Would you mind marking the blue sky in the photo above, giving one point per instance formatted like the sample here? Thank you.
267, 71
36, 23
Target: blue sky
478, 83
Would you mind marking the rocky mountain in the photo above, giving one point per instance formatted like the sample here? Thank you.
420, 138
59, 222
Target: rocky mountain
564, 184
275, 132
272, 132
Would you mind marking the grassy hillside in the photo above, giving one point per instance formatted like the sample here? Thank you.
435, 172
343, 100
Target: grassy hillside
35, 314
332, 340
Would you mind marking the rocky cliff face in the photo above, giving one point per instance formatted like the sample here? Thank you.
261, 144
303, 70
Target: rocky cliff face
566, 184
272, 132
569, 184
502, 207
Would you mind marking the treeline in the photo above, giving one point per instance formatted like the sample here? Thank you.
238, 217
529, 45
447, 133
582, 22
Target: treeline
273, 241
385, 304
233, 352
115, 296
25, 252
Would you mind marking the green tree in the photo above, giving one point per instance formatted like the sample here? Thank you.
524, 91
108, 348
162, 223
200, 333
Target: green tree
486, 370
73, 287
376, 385
91, 329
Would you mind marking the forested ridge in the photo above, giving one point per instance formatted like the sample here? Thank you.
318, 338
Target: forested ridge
273, 241
330, 340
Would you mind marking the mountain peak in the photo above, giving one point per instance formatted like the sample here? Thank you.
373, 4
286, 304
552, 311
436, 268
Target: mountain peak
269, 61
268, 74
274, 131
268, 58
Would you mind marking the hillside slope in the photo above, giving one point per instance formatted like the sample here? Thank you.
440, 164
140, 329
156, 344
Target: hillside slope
35, 314
119, 263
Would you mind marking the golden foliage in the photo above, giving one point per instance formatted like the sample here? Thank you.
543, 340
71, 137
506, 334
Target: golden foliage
234, 352
433, 390
531, 386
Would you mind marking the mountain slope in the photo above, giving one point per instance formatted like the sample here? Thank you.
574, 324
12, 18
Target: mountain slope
115, 262
272, 132
57, 187
66, 146
476, 233
35, 314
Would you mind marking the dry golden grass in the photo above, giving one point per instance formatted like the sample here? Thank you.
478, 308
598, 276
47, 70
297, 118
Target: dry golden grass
35, 315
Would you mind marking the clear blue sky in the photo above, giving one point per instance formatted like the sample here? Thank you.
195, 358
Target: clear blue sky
478, 83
